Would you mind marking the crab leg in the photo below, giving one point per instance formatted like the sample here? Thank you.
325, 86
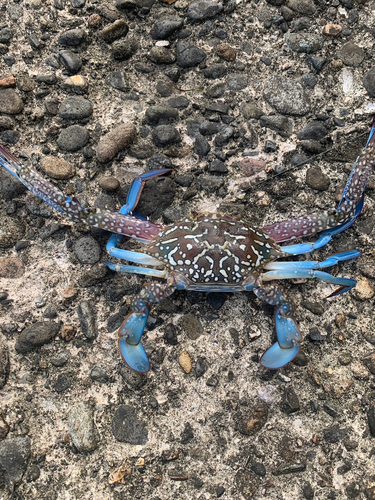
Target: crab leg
131, 331
331, 221
289, 337
110, 221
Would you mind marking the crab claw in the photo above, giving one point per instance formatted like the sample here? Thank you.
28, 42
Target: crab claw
130, 334
288, 342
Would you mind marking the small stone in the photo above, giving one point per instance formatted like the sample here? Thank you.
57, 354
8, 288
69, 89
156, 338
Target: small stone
334, 434
15, 454
62, 383
187, 434
113, 31
82, 427
67, 333
252, 166
165, 135
226, 52
73, 138
57, 168
286, 96
11, 267
191, 325
7, 81
351, 54
236, 81
124, 49
316, 179
71, 62
371, 420
72, 38
332, 30
11, 230
87, 250
363, 290
10, 102
88, 321
359, 371
76, 83
306, 43
215, 71
162, 55
94, 21
160, 115
61, 358
203, 9
185, 362
69, 294
109, 184
163, 28
314, 130
201, 367
289, 403
127, 428
252, 421
75, 108
280, 124
36, 335
189, 55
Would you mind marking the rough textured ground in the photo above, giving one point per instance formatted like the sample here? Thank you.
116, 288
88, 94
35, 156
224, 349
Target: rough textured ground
74, 421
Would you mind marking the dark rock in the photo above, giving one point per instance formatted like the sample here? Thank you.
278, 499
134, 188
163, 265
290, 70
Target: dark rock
314, 130
237, 81
170, 335
210, 128
258, 469
289, 469
188, 55
73, 138
72, 38
316, 179
75, 108
307, 491
215, 71
203, 9
49, 79
15, 454
165, 27
36, 335
317, 62
368, 82
306, 43
304, 7
216, 300
289, 401
286, 96
158, 161
127, 428
224, 136
124, 49
87, 250
62, 383
351, 54
309, 81
82, 427
201, 367
6, 35
164, 135
10, 102
334, 434
210, 183
161, 115
87, 318
9, 137
191, 326
280, 124
179, 102
61, 358
201, 146
187, 434
71, 62
112, 32
162, 55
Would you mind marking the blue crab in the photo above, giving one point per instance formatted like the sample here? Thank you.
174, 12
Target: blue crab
214, 253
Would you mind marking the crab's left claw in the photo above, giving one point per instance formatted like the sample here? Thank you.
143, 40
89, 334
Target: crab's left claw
288, 342
129, 343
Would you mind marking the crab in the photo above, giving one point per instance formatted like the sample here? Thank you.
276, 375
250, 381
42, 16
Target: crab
214, 253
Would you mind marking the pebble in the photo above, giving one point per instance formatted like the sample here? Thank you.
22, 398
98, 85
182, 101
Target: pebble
162, 55
188, 55
75, 108
11, 230
203, 9
224, 136
332, 30
82, 427
62, 383
280, 124
306, 43
369, 82
252, 166
57, 168
36, 335
187, 434
201, 367
289, 401
316, 179
236, 81
72, 38
115, 141
304, 7
10, 102
363, 290
71, 62
185, 362
191, 326
15, 453
161, 115
87, 250
118, 80
334, 434
201, 146
113, 31
8, 81
11, 267
98, 374
5, 35
179, 102
124, 49
217, 167
351, 54
286, 96
165, 135
313, 130
210, 183
109, 184
215, 71
61, 358
127, 428
226, 52
253, 420
4, 364
73, 138
165, 27
88, 321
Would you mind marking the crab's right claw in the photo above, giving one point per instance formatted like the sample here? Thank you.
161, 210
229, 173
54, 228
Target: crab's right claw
130, 334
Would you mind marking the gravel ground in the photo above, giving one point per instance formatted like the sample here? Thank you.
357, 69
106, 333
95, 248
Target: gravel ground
231, 96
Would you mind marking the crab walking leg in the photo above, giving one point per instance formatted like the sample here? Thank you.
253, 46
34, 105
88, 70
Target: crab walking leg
288, 335
71, 207
348, 209
131, 331
313, 264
